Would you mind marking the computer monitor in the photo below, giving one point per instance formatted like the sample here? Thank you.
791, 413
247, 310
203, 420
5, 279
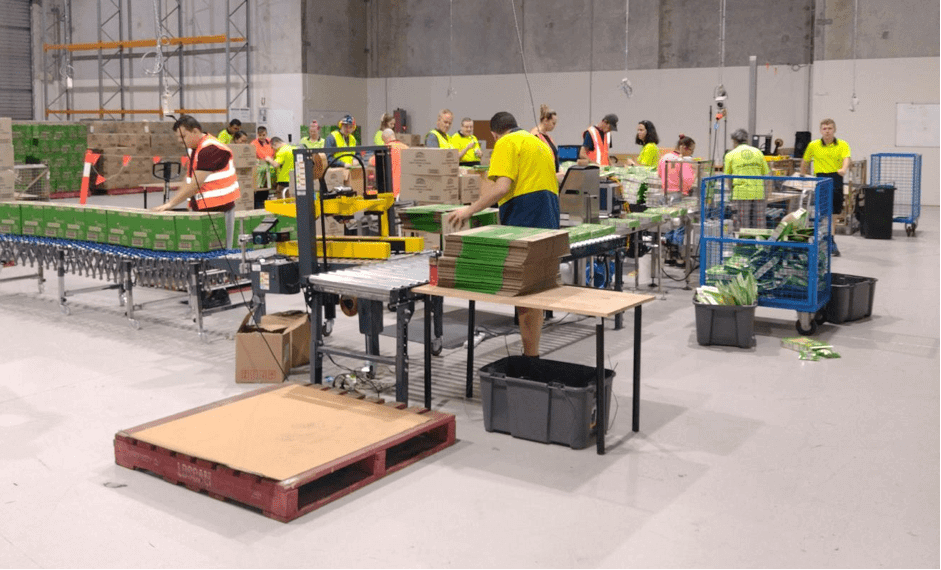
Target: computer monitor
568, 152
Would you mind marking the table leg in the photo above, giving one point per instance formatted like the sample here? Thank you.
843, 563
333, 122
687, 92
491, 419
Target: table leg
618, 286
429, 302
635, 413
601, 423
316, 339
471, 306
402, 314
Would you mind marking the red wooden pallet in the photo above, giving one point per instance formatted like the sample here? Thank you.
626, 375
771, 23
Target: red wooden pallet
290, 498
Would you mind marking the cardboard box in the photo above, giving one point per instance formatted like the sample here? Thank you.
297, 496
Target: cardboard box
7, 183
470, 188
199, 231
429, 188
297, 325
243, 155
6, 155
262, 353
409, 139
96, 224
434, 161
6, 130
121, 225
10, 221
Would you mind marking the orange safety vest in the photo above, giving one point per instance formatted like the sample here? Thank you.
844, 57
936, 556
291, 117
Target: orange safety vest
600, 154
395, 156
222, 186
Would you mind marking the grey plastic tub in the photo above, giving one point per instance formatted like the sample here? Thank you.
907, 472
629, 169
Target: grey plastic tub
726, 325
542, 400
851, 298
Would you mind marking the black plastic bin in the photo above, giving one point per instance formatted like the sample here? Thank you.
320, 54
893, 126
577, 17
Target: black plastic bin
875, 211
726, 325
542, 400
851, 298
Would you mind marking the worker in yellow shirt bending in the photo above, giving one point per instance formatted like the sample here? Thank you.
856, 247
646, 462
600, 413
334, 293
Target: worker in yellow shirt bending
283, 162
468, 145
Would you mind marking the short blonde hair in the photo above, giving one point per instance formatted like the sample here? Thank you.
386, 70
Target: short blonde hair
828, 122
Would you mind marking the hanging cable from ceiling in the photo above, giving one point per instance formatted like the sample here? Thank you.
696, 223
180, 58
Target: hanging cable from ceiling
451, 91
854, 100
719, 91
625, 84
519, 37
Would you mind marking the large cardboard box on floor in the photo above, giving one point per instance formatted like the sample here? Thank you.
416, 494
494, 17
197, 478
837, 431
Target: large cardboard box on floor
435, 161
297, 326
262, 353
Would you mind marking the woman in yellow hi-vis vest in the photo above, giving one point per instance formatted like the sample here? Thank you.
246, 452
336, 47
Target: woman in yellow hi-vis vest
343, 138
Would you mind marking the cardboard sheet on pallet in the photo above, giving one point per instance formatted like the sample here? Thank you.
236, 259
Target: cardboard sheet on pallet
282, 433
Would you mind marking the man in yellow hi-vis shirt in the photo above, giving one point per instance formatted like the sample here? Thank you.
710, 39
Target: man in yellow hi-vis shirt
465, 141
283, 162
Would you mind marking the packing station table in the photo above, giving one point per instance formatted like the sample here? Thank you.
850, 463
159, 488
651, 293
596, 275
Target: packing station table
599, 303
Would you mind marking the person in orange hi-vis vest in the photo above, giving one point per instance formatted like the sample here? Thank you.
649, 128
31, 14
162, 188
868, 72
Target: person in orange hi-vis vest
211, 184
388, 138
597, 140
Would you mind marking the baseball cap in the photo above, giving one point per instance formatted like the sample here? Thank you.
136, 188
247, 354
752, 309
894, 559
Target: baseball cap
347, 120
612, 120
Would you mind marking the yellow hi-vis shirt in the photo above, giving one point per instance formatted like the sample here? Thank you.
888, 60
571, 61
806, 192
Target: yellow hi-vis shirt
745, 160
525, 160
827, 158
224, 137
459, 141
285, 157
346, 158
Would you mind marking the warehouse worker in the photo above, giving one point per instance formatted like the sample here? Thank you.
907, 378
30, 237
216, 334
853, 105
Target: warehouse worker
438, 136
395, 158
676, 174
283, 162
387, 121
226, 134
211, 184
263, 151
597, 140
648, 139
313, 140
343, 138
239, 138
831, 158
748, 196
547, 121
467, 144
527, 191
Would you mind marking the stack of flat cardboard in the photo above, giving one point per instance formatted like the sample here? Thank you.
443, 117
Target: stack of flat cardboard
7, 176
583, 232
503, 260
429, 218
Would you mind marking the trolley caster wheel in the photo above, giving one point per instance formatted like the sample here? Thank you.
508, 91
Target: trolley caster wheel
436, 346
135, 324
66, 310
820, 317
808, 331
203, 337
327, 327
910, 229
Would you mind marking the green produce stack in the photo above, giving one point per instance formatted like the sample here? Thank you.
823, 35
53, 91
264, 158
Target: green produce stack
60, 146
503, 260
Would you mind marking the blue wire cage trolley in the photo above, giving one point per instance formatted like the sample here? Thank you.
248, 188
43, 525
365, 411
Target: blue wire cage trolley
903, 171
791, 263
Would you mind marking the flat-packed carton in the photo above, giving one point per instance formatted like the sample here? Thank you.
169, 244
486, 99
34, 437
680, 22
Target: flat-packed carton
262, 353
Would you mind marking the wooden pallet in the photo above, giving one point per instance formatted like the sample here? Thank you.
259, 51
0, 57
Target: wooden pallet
286, 498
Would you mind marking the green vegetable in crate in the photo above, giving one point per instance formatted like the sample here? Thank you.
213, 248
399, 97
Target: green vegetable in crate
741, 290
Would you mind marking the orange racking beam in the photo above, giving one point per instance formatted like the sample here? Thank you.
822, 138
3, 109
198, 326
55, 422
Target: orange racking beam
128, 44
101, 112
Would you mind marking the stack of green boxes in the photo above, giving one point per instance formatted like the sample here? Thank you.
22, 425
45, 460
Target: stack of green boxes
428, 218
584, 232
170, 231
61, 146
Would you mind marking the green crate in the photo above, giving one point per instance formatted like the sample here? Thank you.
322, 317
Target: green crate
200, 231
11, 222
121, 225
96, 224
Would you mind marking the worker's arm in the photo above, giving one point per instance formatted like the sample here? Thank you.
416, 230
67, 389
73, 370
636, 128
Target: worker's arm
185, 192
488, 195
804, 166
846, 167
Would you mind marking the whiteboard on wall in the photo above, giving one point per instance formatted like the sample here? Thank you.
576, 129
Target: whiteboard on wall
917, 124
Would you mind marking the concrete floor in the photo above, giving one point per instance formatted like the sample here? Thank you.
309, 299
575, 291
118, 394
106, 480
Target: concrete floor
745, 458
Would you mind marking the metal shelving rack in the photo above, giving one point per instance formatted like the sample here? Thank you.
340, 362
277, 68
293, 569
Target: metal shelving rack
115, 57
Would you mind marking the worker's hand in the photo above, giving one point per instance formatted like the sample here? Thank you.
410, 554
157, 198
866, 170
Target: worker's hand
161, 208
479, 153
457, 218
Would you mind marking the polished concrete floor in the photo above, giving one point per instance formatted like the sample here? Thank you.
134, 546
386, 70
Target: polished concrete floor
745, 458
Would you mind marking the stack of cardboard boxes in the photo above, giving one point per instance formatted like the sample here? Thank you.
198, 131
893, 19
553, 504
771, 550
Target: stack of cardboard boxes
430, 176
61, 146
243, 155
7, 176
